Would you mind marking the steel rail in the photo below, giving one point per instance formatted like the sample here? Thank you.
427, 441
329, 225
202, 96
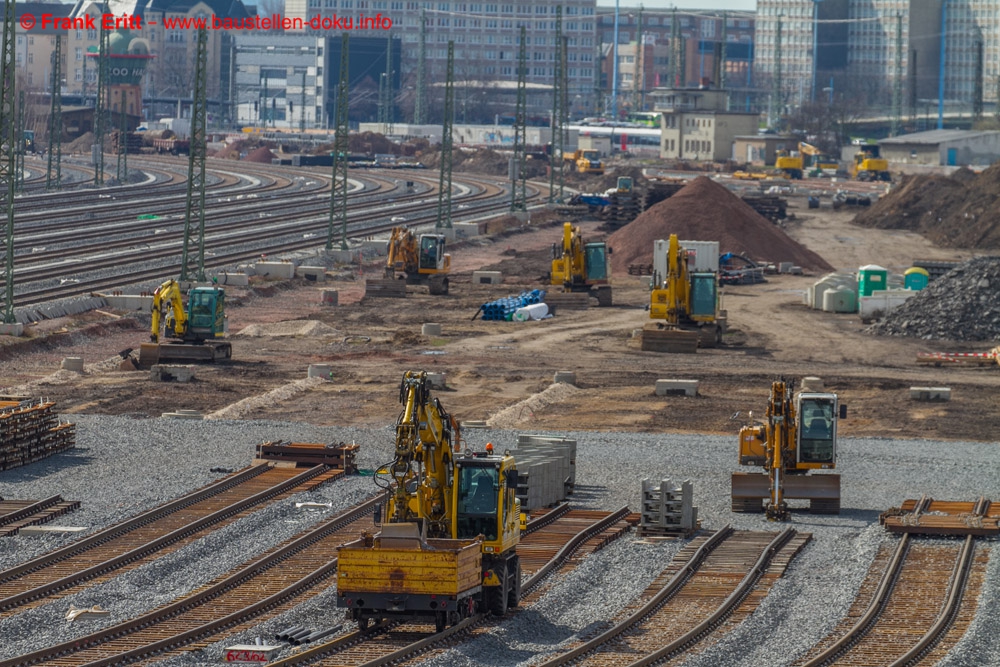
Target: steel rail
158, 543
888, 581
129, 525
732, 601
27, 298
177, 608
956, 591
337, 645
658, 600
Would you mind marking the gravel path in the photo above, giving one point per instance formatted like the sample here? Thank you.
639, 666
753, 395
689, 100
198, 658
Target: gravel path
177, 456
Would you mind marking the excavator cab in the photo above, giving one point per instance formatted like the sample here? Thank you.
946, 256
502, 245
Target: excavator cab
486, 500
596, 261
704, 297
206, 312
817, 430
431, 252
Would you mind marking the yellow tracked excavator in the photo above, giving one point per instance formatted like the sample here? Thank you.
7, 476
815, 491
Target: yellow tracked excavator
448, 547
797, 439
186, 332
418, 260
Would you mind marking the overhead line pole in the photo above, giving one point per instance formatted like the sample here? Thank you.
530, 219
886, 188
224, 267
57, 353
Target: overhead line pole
341, 146
194, 209
7, 77
55, 120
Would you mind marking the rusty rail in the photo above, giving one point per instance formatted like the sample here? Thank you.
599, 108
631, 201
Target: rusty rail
158, 543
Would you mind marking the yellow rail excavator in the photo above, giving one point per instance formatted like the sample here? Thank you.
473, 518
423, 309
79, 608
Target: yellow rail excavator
868, 164
788, 164
448, 546
818, 162
684, 306
186, 333
797, 438
581, 267
584, 161
418, 260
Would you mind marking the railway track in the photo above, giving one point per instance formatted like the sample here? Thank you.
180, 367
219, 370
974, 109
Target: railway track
710, 580
915, 611
284, 231
150, 535
551, 543
270, 584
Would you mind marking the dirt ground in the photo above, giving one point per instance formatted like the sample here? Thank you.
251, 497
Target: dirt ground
504, 367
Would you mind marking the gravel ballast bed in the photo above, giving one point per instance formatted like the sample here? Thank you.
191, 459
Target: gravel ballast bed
175, 457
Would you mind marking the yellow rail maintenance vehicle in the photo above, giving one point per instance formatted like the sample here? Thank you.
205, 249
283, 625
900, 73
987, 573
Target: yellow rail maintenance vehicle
797, 439
448, 546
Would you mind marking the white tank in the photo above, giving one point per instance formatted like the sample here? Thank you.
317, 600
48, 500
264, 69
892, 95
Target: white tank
840, 301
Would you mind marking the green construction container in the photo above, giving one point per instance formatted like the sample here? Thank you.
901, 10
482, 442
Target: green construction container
872, 277
916, 278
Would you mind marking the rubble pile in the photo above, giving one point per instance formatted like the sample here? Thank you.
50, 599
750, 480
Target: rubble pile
958, 211
963, 304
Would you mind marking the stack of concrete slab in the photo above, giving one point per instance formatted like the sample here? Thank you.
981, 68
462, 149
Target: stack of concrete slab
667, 509
546, 468
30, 431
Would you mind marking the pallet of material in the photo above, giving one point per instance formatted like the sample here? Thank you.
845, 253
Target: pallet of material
546, 470
385, 287
568, 300
16, 514
340, 456
30, 432
668, 510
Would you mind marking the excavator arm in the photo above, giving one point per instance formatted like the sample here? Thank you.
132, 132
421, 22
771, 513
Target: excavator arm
168, 295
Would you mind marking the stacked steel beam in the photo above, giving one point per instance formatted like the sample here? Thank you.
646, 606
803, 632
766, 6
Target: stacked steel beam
31, 431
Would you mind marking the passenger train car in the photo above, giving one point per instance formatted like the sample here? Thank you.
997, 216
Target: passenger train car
624, 138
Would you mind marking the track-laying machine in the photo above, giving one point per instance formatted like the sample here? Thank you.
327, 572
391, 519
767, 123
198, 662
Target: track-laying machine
194, 329
419, 260
684, 306
581, 267
797, 438
447, 547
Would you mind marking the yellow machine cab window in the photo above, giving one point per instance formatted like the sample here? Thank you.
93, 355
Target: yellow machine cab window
817, 437
478, 489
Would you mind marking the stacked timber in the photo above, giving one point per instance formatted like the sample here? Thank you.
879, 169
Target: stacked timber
31, 431
546, 470
340, 456
771, 207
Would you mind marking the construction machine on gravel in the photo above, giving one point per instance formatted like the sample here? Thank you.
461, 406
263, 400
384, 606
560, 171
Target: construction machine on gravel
194, 329
797, 438
413, 260
683, 306
448, 546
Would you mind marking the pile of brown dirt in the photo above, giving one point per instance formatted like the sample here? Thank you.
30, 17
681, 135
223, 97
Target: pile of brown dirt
960, 211
230, 151
81, 144
263, 155
703, 210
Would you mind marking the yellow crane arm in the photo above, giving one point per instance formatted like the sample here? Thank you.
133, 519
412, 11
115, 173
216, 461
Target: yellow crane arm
168, 294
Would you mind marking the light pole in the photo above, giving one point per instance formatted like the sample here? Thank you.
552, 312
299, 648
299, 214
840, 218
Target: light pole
812, 96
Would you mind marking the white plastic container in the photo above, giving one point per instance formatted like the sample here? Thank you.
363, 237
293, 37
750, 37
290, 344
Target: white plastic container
535, 311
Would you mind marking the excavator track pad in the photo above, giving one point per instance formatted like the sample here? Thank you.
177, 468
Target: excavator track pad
171, 353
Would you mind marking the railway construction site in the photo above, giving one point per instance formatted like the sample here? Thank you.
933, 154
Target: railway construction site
195, 542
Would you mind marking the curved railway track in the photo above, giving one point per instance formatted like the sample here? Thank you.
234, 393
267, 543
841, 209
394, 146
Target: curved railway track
708, 581
150, 535
903, 615
547, 545
144, 256
272, 583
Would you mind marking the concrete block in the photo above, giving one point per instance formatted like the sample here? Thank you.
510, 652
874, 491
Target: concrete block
320, 371
346, 256
132, 302
280, 270
72, 364
487, 277
183, 414
171, 373
437, 380
233, 279
812, 383
312, 273
564, 377
466, 230
930, 393
329, 297
431, 329
379, 248
16, 329
677, 387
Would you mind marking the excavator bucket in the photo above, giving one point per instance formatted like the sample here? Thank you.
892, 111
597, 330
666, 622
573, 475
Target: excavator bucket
750, 490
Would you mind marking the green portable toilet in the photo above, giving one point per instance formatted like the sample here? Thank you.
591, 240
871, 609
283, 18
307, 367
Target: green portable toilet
916, 278
871, 277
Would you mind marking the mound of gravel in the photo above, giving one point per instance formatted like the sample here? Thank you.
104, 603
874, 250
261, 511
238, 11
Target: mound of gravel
123, 466
963, 304
300, 328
